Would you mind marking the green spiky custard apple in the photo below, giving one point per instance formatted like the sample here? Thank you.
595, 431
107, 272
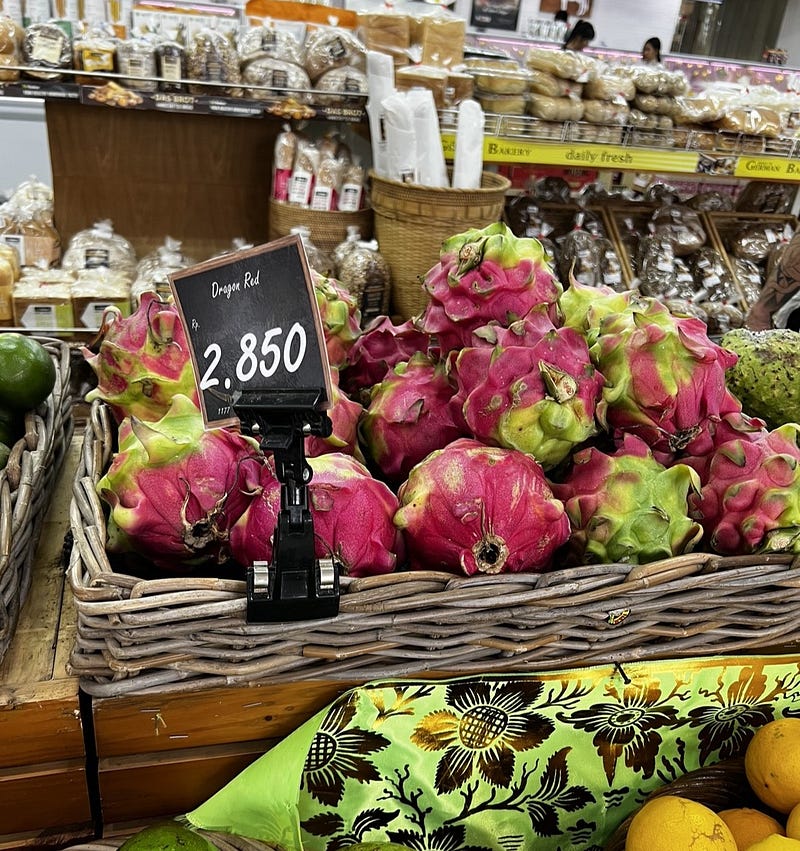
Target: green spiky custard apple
765, 377
167, 836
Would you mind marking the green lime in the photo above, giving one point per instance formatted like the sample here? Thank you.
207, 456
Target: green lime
168, 836
27, 372
4, 453
10, 426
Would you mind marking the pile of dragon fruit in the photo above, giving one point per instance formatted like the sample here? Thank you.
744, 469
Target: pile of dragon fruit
517, 424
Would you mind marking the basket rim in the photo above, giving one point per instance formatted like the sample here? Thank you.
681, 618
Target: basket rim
502, 184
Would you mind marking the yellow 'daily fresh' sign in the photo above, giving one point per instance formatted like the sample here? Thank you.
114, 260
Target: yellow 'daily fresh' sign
773, 168
581, 155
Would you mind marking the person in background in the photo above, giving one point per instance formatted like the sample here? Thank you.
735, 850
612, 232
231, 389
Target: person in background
579, 36
651, 52
561, 16
782, 285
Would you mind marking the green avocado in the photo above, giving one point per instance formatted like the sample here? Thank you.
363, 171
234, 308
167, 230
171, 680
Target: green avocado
167, 836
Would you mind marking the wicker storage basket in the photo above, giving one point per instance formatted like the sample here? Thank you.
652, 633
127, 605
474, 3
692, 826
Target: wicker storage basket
328, 228
411, 222
26, 485
223, 841
721, 786
137, 635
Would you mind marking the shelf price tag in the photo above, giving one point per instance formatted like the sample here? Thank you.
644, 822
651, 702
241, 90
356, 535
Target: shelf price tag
253, 326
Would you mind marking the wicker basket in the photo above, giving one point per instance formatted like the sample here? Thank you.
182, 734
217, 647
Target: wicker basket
411, 222
328, 228
26, 485
223, 841
720, 787
138, 635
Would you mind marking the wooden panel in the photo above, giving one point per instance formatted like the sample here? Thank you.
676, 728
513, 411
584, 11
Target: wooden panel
134, 725
41, 797
203, 179
153, 785
36, 732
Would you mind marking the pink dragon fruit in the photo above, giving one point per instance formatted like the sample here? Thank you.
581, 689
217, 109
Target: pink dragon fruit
353, 515
380, 348
478, 509
582, 306
341, 318
251, 537
539, 398
344, 414
175, 489
664, 377
143, 361
483, 275
627, 507
751, 501
408, 416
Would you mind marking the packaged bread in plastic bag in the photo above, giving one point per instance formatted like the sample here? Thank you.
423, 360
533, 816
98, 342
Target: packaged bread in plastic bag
545, 83
498, 76
328, 48
555, 109
279, 77
269, 40
47, 48
154, 269
580, 255
710, 201
656, 266
685, 287
442, 37
713, 279
750, 278
137, 57
758, 197
568, 64
754, 121
721, 317
100, 246
610, 86
212, 58
387, 31
610, 265
95, 49
10, 49
340, 86
755, 241
681, 226
605, 112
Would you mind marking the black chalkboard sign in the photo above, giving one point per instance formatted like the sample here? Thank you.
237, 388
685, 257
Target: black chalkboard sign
253, 326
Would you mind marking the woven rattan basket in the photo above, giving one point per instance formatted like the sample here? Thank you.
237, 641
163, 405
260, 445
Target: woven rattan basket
136, 635
26, 485
411, 222
223, 841
720, 787
328, 228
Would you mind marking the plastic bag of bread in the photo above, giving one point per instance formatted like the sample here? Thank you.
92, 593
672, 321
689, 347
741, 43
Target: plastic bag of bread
269, 40
750, 278
681, 226
442, 39
99, 246
712, 277
137, 57
340, 86
710, 202
551, 190
282, 78
387, 31
555, 109
426, 77
95, 49
502, 104
544, 83
610, 87
656, 266
722, 317
755, 242
212, 58
658, 104
605, 112
758, 197
700, 109
580, 255
47, 47
498, 76
685, 287
610, 265
10, 53
567, 64
759, 121
328, 48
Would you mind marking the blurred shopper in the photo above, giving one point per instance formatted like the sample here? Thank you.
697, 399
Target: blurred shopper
776, 305
579, 36
651, 52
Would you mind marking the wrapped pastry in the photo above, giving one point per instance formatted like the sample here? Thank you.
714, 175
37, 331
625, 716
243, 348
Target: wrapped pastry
545, 83
212, 58
10, 49
137, 57
171, 62
605, 112
340, 85
318, 260
610, 265
47, 47
754, 242
266, 40
306, 163
656, 267
685, 286
722, 318
758, 197
555, 109
386, 31
713, 280
681, 226
281, 78
749, 277
697, 110
567, 64
365, 274
286, 145
425, 77
442, 40
630, 239
551, 190
498, 76
657, 104
759, 121
502, 104
99, 246
610, 87
328, 48
351, 196
580, 256
661, 193
95, 50
710, 201
328, 183
684, 307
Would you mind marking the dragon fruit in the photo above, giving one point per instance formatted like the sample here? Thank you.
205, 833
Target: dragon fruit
582, 307
341, 318
483, 275
626, 507
353, 515
380, 348
479, 509
408, 416
344, 414
143, 361
751, 501
664, 377
538, 398
251, 537
175, 489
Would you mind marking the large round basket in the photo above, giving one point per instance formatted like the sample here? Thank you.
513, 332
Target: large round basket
411, 222
719, 787
328, 227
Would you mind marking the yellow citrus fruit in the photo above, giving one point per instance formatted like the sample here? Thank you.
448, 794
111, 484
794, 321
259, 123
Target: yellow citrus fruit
776, 843
748, 825
793, 823
670, 822
772, 764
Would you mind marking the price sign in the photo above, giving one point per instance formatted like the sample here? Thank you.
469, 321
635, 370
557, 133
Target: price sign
253, 326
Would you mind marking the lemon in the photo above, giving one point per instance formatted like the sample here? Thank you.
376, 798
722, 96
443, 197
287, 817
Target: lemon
670, 822
776, 843
27, 372
772, 764
749, 826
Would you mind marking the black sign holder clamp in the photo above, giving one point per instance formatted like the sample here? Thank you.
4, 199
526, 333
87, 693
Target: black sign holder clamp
296, 585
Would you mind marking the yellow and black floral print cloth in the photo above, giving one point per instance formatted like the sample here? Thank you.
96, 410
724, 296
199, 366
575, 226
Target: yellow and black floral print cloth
548, 761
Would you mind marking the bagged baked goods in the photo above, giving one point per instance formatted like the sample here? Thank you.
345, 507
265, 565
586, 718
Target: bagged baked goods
568, 64
754, 241
95, 49
710, 201
681, 226
281, 78
10, 44
269, 40
712, 278
656, 266
658, 80
286, 145
352, 194
721, 318
212, 58
579, 256
759, 121
610, 265
427, 77
699, 109
328, 48
170, 62
502, 104
758, 197
441, 39
498, 76
340, 85
365, 274
555, 109
658, 104
610, 87
47, 48
750, 278
545, 83
605, 112
94, 290
550, 190
99, 246
137, 57
387, 31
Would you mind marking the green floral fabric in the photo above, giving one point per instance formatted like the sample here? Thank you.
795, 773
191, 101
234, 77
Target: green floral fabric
549, 761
